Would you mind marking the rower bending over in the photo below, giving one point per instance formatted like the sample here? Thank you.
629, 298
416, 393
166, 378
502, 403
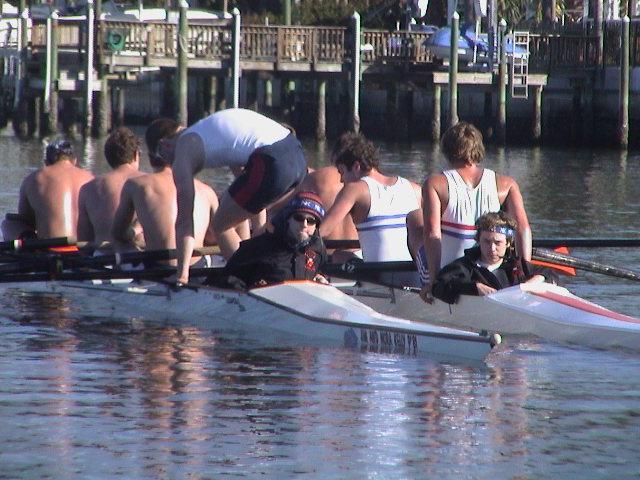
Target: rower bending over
489, 266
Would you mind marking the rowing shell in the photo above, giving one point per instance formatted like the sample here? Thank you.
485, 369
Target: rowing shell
548, 311
320, 314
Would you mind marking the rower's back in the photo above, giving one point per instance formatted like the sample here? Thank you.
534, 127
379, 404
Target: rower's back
49, 196
153, 198
99, 198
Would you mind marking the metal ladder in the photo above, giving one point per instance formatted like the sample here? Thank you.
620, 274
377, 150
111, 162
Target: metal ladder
517, 45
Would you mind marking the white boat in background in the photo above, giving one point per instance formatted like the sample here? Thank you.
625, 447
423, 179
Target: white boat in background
547, 311
311, 312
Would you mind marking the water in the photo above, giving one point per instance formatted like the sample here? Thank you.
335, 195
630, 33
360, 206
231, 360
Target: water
91, 396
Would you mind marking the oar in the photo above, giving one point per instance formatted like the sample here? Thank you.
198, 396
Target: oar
37, 243
111, 274
581, 264
47, 244
366, 271
586, 242
540, 242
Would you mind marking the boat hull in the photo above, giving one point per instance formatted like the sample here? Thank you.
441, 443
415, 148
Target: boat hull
547, 311
315, 313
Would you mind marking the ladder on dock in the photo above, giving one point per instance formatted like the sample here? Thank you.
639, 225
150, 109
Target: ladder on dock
517, 45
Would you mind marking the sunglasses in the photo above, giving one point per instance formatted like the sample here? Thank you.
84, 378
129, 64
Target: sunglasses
301, 218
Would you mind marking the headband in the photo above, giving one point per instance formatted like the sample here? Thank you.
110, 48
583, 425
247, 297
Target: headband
508, 231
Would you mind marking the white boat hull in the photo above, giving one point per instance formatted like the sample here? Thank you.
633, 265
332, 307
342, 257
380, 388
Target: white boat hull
320, 314
548, 311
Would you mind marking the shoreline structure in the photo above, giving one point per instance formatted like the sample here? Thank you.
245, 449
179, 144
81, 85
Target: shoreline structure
572, 89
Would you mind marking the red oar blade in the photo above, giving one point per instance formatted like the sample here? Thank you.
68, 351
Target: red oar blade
561, 268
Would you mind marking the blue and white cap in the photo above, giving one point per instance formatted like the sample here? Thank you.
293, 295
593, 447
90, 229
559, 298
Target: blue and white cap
309, 202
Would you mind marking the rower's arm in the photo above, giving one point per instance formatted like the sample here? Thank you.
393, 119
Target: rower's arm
514, 205
85, 227
122, 230
184, 171
24, 206
432, 213
343, 206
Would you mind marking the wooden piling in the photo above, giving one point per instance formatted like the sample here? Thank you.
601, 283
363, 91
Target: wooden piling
183, 77
536, 133
501, 127
268, 92
355, 73
88, 71
437, 113
321, 125
104, 107
623, 123
235, 69
453, 69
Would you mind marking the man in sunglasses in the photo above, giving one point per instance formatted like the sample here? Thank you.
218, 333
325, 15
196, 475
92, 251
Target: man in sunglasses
292, 251
48, 204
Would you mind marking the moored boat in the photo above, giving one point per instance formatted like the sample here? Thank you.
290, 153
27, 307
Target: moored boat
309, 311
548, 311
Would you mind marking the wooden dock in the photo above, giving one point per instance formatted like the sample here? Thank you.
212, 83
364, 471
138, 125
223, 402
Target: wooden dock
123, 52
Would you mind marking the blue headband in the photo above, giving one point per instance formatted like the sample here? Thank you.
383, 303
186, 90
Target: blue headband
503, 229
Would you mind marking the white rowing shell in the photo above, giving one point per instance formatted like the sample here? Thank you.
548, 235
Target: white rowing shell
320, 314
548, 311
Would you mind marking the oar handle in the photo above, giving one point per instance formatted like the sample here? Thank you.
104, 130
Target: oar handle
37, 243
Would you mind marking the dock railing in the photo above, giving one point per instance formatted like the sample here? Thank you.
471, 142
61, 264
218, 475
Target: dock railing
568, 48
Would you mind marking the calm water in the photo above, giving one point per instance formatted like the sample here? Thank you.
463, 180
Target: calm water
84, 396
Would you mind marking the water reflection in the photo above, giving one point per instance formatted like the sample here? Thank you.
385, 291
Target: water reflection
85, 395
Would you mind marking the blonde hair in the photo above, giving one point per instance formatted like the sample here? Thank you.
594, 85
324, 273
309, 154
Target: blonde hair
462, 144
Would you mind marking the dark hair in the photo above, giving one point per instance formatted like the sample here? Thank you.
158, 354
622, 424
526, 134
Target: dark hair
352, 148
121, 147
57, 151
462, 144
500, 222
156, 131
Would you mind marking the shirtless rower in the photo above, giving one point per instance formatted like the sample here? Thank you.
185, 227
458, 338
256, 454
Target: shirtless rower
455, 199
99, 198
48, 204
152, 197
266, 157
378, 204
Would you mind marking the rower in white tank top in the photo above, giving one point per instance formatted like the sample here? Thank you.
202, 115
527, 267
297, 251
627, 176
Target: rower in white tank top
465, 205
383, 235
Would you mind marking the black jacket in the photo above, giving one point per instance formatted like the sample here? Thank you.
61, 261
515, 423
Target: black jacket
460, 276
271, 258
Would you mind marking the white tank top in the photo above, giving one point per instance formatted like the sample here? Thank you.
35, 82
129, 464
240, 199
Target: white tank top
465, 205
383, 235
230, 136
